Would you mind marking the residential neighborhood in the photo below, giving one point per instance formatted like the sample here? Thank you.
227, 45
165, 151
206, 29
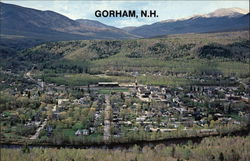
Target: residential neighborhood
109, 110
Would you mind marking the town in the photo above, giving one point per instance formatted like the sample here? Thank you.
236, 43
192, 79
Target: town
127, 111
124, 81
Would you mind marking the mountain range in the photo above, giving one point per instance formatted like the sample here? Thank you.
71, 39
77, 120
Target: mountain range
27, 27
229, 19
49, 25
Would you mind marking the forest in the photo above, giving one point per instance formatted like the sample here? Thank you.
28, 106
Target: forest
209, 149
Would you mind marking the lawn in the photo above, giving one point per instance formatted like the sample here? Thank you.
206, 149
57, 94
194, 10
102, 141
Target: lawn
110, 90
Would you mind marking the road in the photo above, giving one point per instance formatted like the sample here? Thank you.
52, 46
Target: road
35, 136
28, 76
244, 84
107, 119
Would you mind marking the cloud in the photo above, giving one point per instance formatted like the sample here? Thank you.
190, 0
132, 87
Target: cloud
165, 9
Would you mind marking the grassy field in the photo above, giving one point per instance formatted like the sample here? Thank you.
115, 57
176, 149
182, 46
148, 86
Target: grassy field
109, 91
122, 63
74, 79
168, 69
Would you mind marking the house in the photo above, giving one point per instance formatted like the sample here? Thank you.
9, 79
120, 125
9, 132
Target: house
218, 115
176, 100
144, 92
49, 130
84, 132
162, 130
54, 109
78, 132
55, 115
135, 129
127, 122
92, 130
147, 128
108, 84
61, 101
141, 119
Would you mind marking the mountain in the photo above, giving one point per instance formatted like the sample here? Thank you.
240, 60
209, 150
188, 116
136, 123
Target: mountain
229, 12
129, 28
94, 23
220, 20
39, 26
25, 27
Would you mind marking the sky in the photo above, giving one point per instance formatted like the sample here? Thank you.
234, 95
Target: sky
165, 9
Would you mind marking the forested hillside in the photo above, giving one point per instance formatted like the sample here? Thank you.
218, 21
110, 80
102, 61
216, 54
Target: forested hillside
225, 53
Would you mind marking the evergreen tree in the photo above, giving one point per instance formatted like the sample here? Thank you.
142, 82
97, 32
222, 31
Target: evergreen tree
221, 157
173, 152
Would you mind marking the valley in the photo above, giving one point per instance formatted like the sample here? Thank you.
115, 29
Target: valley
157, 88
175, 90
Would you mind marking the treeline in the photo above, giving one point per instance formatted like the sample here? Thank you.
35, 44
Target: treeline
210, 149
163, 49
74, 79
10, 102
66, 66
238, 51
104, 49
82, 55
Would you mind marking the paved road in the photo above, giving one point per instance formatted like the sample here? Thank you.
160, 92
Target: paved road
107, 119
35, 136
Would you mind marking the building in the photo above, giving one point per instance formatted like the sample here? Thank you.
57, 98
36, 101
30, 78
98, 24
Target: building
84, 132
108, 84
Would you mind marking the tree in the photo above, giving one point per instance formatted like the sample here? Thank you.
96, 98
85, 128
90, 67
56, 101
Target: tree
77, 126
235, 155
173, 152
28, 94
122, 96
88, 89
39, 93
25, 149
221, 157
158, 120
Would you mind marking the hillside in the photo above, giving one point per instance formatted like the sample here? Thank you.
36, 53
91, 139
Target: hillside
169, 47
93, 23
25, 26
220, 20
225, 53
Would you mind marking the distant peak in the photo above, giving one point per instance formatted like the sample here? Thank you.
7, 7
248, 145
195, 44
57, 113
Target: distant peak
221, 12
230, 12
